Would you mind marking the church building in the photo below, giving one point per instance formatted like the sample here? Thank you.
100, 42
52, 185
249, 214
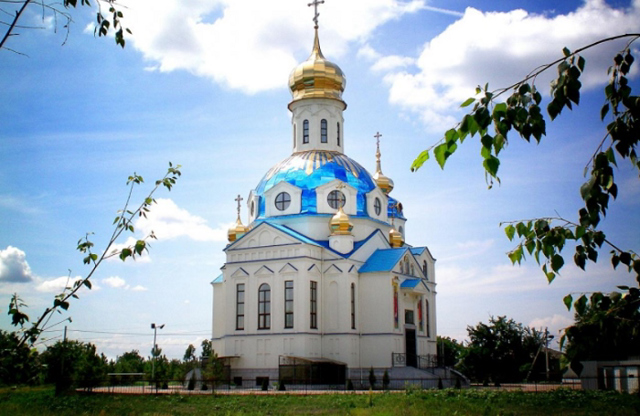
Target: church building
321, 277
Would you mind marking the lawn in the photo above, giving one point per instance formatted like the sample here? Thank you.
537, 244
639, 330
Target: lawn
42, 402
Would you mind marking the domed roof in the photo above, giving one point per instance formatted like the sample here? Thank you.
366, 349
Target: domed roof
340, 224
311, 169
317, 77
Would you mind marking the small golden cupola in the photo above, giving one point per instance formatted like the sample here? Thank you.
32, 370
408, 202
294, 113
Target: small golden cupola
317, 77
385, 183
340, 224
238, 229
395, 238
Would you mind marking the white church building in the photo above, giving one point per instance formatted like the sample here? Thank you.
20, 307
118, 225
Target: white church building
321, 277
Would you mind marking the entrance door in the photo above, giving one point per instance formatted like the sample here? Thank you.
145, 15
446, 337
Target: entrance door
410, 347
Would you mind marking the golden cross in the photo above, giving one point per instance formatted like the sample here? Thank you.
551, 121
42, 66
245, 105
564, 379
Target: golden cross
315, 4
238, 200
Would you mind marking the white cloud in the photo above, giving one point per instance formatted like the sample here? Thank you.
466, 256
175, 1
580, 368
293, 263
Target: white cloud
169, 221
501, 48
268, 38
14, 267
555, 323
114, 282
58, 284
117, 282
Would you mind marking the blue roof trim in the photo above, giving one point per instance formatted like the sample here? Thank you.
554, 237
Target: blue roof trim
383, 260
410, 283
416, 251
218, 279
293, 233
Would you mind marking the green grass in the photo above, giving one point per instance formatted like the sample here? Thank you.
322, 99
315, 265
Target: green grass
42, 402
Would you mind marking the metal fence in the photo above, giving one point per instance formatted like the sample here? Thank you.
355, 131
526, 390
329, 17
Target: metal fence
273, 386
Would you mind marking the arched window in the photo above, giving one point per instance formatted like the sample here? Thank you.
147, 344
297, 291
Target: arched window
288, 304
295, 130
401, 230
264, 306
305, 131
413, 272
424, 269
338, 134
406, 264
353, 306
426, 308
323, 131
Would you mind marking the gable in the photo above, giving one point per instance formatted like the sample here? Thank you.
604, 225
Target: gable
288, 269
264, 271
373, 242
240, 273
333, 269
266, 234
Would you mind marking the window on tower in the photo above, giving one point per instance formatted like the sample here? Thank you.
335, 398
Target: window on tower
353, 306
323, 131
336, 199
264, 306
377, 206
338, 134
424, 269
240, 306
288, 304
283, 200
305, 131
313, 306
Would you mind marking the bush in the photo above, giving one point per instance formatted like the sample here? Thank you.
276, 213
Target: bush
372, 379
350, 385
192, 383
265, 384
281, 386
440, 385
385, 380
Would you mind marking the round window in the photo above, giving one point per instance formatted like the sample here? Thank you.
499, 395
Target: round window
377, 206
283, 200
336, 199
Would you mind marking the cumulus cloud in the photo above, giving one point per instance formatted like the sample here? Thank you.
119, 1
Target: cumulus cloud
58, 284
117, 282
14, 267
500, 48
555, 323
269, 38
169, 221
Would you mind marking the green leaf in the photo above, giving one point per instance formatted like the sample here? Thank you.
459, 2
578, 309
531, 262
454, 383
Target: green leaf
604, 111
567, 301
510, 231
491, 165
87, 283
468, 102
580, 305
557, 262
440, 154
417, 164
126, 252
566, 51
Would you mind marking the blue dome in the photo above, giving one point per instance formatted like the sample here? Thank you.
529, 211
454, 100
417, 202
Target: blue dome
310, 169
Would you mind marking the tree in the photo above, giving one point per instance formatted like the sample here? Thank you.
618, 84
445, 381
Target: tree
500, 351
544, 238
207, 349
108, 16
372, 378
123, 223
74, 363
128, 363
449, 351
18, 364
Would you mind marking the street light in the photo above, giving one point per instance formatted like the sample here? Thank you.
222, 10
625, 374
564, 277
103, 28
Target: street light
154, 349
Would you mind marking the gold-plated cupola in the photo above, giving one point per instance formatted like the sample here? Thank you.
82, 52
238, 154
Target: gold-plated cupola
317, 77
340, 224
238, 229
385, 183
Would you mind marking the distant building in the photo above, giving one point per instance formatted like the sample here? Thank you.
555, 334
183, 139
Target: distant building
321, 278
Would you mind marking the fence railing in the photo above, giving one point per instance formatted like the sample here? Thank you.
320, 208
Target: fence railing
211, 387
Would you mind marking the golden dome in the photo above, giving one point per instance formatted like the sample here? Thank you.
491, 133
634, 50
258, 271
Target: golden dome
340, 224
395, 238
317, 78
385, 183
237, 231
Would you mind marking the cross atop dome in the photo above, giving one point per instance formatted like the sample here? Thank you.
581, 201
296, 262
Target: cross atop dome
315, 4
239, 200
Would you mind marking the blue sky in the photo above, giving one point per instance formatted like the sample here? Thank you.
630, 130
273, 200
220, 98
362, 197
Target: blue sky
204, 84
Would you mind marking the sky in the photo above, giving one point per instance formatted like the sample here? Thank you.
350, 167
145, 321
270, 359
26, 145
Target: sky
203, 84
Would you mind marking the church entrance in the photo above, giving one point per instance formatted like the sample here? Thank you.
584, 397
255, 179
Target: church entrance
410, 347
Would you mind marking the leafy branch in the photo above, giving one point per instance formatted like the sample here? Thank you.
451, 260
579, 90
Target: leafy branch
123, 223
106, 17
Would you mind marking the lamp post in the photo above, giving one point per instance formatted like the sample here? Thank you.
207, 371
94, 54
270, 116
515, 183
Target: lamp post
547, 338
154, 349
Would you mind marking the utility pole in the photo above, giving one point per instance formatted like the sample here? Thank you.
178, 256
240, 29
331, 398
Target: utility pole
547, 338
